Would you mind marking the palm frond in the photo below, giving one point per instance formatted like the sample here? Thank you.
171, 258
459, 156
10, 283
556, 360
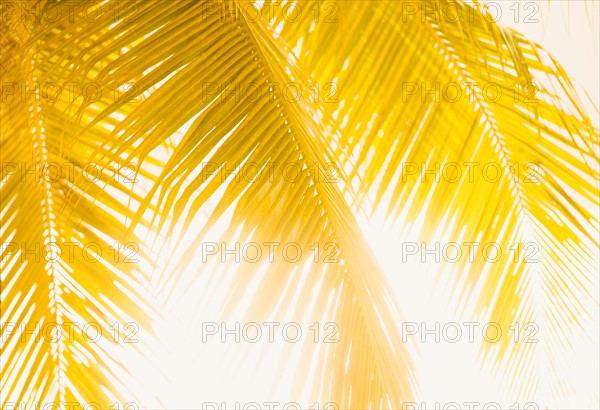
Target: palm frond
188, 91
172, 50
73, 303
465, 94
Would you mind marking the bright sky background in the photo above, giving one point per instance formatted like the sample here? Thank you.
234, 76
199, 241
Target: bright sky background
198, 372
568, 29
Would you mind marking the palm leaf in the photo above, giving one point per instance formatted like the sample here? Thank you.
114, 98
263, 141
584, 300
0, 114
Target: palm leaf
542, 131
369, 366
177, 125
65, 271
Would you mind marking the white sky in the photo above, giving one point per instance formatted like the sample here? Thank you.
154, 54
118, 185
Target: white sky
568, 29
199, 373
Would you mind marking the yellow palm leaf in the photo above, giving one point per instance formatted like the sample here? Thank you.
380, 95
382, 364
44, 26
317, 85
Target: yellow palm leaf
481, 132
369, 366
180, 93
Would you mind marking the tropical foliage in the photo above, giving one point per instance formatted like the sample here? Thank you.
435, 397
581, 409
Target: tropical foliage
162, 97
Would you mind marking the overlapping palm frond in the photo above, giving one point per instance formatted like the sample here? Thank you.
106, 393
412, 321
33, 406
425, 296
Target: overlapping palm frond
367, 367
72, 301
227, 130
472, 94
177, 81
